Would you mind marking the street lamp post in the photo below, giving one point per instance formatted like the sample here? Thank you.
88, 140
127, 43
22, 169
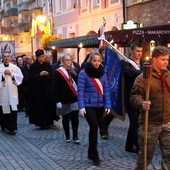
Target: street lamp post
78, 51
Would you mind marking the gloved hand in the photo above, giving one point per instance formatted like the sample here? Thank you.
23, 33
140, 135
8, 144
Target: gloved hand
107, 111
82, 111
59, 105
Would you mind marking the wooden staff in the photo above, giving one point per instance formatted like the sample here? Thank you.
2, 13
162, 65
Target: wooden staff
147, 70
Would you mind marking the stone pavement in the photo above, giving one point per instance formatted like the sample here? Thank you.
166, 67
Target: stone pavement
33, 149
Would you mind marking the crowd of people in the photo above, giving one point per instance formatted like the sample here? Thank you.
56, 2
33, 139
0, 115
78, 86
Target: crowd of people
48, 91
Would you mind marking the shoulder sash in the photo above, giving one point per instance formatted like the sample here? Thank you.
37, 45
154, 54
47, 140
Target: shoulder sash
98, 85
73, 85
133, 64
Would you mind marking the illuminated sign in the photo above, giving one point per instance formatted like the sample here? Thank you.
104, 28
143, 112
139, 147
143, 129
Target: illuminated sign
130, 25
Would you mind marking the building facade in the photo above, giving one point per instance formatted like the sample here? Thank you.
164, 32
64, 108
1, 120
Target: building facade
73, 18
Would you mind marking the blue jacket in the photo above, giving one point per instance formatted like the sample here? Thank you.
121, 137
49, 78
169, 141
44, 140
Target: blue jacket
88, 96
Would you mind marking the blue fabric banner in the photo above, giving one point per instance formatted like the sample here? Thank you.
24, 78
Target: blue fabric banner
113, 71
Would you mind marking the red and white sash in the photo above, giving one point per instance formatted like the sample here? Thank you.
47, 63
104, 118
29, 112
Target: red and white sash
65, 75
98, 85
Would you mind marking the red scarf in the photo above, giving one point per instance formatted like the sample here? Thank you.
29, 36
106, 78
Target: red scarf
164, 82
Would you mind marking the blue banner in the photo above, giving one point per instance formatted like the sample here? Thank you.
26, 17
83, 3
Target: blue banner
113, 71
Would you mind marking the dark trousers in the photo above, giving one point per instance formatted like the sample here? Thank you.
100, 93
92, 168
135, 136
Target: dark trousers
132, 136
8, 121
94, 119
27, 103
106, 122
73, 116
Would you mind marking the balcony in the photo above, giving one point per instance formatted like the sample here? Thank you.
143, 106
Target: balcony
24, 27
2, 14
36, 5
9, 30
12, 12
23, 7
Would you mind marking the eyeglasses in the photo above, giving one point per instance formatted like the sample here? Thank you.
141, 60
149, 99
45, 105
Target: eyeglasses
5, 55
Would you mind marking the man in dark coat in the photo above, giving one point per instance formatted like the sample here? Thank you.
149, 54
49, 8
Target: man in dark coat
130, 72
26, 83
42, 110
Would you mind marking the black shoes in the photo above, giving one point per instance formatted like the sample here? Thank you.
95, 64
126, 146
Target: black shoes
44, 127
2, 128
76, 141
12, 132
133, 149
104, 136
93, 155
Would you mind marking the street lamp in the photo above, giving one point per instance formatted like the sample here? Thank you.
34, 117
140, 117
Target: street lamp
78, 50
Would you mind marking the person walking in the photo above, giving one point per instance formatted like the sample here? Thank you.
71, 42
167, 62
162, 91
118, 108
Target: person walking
158, 106
42, 107
11, 76
130, 72
26, 83
65, 96
107, 119
19, 63
93, 100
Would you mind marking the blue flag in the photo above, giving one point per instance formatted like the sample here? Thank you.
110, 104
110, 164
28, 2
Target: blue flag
113, 71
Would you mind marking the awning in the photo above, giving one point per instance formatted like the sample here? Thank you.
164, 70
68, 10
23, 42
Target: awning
88, 41
157, 33
124, 37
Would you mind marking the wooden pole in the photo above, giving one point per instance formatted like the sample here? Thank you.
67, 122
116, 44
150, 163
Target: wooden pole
147, 70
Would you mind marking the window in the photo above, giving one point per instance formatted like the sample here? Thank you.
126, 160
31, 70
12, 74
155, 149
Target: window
96, 3
57, 6
84, 5
71, 4
111, 1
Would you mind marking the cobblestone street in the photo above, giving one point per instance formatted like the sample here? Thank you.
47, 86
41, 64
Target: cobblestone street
33, 149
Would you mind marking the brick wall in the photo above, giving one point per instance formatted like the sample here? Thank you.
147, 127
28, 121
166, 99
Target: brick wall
150, 13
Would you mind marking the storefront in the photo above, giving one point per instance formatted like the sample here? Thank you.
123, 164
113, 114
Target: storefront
149, 36
159, 34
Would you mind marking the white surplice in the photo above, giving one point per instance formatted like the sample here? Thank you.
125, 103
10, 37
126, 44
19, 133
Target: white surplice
8, 87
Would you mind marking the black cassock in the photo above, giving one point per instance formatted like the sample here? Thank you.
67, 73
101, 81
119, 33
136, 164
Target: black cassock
42, 106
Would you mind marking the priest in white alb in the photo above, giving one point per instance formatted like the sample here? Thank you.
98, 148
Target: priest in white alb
10, 77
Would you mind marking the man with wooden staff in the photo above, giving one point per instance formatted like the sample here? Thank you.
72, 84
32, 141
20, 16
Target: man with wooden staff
158, 106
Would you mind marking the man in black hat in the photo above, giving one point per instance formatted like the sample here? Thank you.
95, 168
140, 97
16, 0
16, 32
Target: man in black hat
42, 109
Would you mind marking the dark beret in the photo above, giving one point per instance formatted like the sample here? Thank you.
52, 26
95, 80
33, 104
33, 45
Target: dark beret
39, 52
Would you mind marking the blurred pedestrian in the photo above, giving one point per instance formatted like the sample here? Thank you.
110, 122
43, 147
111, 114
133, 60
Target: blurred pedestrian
54, 66
130, 73
42, 106
102, 50
158, 106
20, 63
85, 61
74, 66
93, 100
11, 76
107, 119
65, 93
26, 83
